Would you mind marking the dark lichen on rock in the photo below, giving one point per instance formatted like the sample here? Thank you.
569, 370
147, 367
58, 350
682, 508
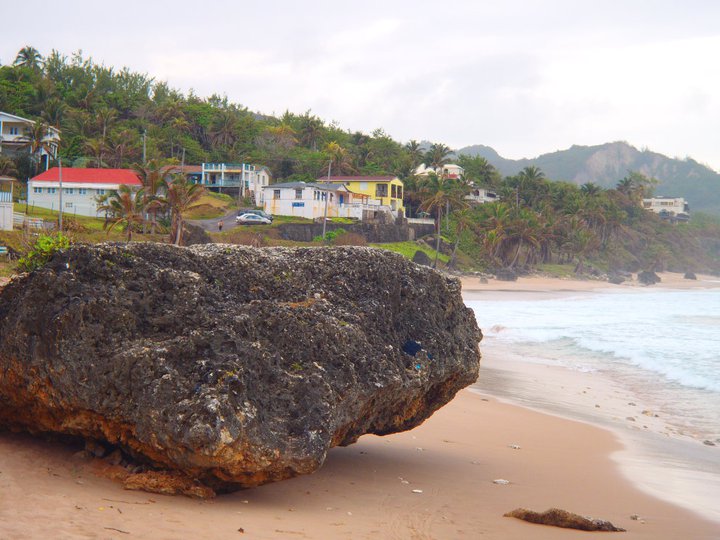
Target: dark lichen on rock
236, 366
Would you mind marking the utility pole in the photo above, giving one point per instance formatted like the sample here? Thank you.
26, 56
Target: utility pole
327, 196
60, 223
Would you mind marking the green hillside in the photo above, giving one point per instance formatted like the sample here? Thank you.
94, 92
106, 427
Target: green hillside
606, 164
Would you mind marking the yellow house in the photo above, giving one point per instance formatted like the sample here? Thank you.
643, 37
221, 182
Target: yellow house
383, 190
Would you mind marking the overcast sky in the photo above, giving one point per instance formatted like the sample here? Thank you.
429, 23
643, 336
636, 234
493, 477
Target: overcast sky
525, 77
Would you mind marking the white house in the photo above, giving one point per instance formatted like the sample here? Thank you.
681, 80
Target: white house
249, 179
449, 170
301, 199
80, 188
6, 203
481, 196
672, 208
15, 138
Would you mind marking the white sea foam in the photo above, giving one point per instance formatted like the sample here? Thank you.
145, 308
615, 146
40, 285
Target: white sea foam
663, 347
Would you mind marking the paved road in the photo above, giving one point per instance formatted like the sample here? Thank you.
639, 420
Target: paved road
212, 225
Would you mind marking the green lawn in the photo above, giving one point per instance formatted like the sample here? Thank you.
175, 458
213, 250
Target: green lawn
408, 249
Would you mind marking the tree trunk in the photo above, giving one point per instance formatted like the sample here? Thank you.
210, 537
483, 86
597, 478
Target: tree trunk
517, 254
178, 233
437, 241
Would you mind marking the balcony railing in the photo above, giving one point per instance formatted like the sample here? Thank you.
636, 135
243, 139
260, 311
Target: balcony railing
5, 196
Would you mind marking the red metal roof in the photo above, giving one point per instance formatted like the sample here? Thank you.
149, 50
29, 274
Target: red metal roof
358, 178
91, 176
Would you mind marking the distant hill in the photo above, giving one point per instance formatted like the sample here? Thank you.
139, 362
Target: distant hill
607, 163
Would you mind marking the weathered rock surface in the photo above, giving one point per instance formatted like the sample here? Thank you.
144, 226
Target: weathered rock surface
234, 365
562, 518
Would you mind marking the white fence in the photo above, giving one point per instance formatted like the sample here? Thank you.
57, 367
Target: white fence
21, 220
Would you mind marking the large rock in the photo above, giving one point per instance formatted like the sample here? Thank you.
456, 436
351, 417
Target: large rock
234, 365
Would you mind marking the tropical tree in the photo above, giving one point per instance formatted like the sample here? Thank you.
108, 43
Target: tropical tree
439, 193
8, 167
123, 207
437, 156
181, 195
151, 176
36, 139
414, 152
29, 57
341, 159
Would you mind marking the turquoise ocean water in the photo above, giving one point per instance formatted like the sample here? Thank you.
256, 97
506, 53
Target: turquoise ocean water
659, 346
665, 344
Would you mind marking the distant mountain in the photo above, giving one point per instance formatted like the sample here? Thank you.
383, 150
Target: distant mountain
605, 164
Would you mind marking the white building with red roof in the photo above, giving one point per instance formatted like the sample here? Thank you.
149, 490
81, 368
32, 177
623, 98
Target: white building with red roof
80, 188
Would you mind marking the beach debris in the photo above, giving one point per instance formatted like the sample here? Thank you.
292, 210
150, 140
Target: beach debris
632, 404
241, 530
203, 360
562, 518
501, 482
630, 418
634, 517
708, 443
419, 449
514, 446
417, 490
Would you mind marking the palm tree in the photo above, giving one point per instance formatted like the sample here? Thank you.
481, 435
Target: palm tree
151, 175
437, 156
437, 193
29, 57
96, 147
223, 129
7, 167
181, 196
414, 152
123, 207
463, 221
341, 159
36, 138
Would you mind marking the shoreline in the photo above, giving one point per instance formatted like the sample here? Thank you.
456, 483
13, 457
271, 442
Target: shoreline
656, 454
542, 287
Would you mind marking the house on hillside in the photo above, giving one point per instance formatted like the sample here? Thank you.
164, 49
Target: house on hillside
308, 200
481, 196
450, 170
192, 172
6, 203
673, 209
248, 179
15, 139
80, 188
383, 192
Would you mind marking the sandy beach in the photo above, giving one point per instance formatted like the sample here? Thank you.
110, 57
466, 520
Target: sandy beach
436, 481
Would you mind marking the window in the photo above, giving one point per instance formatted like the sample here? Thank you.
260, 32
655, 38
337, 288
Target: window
101, 192
363, 186
69, 191
298, 193
381, 190
52, 190
276, 193
37, 190
399, 192
68, 205
393, 191
82, 191
14, 131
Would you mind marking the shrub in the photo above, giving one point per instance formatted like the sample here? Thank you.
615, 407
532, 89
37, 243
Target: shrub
42, 251
330, 236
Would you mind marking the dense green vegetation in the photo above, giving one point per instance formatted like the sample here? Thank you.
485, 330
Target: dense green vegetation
604, 164
108, 116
